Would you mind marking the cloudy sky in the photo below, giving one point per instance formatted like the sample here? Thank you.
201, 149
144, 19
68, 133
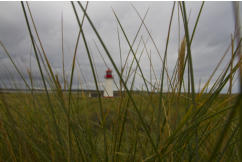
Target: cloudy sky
211, 40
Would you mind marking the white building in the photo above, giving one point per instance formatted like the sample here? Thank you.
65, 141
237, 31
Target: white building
108, 84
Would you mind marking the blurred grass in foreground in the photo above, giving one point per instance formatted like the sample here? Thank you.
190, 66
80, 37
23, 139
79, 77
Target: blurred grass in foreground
153, 125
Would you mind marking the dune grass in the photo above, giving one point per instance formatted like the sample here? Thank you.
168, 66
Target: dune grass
179, 124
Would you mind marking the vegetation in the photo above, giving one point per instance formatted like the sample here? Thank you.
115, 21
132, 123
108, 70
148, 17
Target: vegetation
153, 125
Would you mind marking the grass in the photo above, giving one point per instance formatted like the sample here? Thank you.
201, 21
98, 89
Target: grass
150, 125
33, 126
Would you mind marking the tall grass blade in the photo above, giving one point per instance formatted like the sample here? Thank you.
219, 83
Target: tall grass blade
95, 79
42, 76
117, 71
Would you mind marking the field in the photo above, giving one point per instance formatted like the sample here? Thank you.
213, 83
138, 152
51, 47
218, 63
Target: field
28, 131
161, 122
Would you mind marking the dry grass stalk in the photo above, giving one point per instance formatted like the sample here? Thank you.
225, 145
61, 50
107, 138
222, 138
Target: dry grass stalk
181, 59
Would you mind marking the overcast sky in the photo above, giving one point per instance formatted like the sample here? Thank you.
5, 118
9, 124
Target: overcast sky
211, 40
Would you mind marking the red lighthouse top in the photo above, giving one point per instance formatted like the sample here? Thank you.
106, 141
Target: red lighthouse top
108, 73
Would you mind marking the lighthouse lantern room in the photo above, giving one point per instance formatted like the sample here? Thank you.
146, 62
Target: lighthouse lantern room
108, 84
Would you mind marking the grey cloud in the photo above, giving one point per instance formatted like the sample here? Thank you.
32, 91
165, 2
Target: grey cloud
210, 41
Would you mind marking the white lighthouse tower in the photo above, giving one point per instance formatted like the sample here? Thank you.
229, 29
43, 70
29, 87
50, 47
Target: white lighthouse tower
108, 84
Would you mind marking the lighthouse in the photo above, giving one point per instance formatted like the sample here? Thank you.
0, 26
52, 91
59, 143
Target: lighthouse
108, 84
